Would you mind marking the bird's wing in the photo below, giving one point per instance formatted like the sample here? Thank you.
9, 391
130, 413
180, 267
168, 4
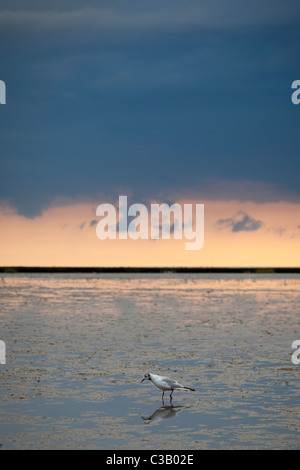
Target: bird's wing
172, 383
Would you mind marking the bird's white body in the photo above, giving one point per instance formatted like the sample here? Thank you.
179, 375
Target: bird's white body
165, 383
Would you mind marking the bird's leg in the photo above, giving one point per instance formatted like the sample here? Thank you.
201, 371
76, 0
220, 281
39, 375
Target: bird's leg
171, 398
162, 397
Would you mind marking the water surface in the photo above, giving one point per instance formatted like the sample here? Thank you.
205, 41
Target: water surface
78, 345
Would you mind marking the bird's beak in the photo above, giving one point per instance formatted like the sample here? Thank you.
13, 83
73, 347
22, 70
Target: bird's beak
142, 380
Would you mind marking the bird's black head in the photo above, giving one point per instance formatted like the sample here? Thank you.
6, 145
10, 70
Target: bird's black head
146, 377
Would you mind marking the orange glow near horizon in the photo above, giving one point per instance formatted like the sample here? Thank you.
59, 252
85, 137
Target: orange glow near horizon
64, 236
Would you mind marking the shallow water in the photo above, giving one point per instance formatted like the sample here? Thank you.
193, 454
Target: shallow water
77, 347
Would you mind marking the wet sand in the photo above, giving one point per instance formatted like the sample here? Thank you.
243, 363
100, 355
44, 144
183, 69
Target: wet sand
77, 346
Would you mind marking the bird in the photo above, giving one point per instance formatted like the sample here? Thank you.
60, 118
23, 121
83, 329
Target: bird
165, 383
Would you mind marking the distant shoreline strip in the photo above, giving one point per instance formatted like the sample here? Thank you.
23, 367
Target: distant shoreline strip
87, 269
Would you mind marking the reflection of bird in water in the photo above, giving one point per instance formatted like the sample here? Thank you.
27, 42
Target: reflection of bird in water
164, 412
164, 383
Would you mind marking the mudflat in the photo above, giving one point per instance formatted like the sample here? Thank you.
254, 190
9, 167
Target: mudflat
78, 345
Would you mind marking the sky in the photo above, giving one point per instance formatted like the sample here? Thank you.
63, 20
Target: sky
168, 101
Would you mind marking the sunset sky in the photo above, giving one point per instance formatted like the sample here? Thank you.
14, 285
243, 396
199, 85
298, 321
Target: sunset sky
166, 102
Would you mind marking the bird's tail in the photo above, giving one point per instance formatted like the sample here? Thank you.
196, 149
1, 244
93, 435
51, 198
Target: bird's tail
188, 388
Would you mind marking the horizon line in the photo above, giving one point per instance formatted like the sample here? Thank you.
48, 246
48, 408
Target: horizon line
145, 269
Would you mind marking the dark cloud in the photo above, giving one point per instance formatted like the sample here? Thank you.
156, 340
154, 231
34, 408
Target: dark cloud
144, 15
240, 222
150, 96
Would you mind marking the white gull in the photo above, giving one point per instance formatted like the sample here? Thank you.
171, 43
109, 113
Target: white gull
165, 384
